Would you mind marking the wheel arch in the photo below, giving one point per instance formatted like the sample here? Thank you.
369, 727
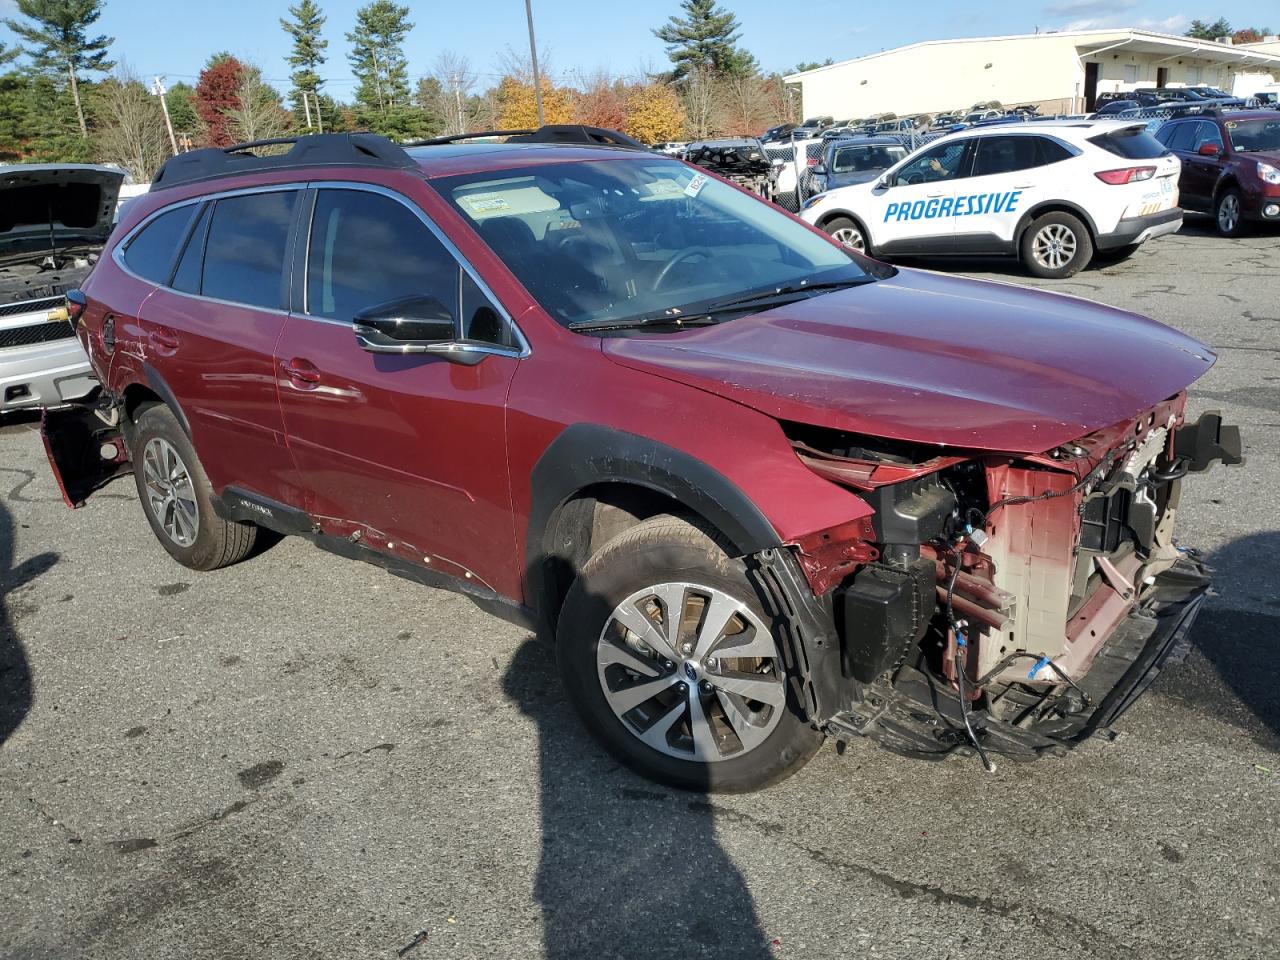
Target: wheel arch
137, 393
848, 215
1221, 187
1054, 206
593, 482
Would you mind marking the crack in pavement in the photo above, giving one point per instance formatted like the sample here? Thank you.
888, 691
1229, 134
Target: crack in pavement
1039, 917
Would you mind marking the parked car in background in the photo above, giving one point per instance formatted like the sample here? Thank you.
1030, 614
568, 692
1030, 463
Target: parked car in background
977, 116
898, 125
1117, 107
856, 160
782, 132
54, 220
670, 148
752, 488
1218, 97
1051, 193
945, 121
1230, 166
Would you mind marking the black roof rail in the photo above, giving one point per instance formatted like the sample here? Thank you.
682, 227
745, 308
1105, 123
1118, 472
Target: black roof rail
309, 150
567, 133
455, 137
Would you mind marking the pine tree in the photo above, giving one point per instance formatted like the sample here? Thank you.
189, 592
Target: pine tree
377, 55
704, 40
55, 31
308, 50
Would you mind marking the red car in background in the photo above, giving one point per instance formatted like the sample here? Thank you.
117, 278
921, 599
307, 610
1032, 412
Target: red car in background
1230, 166
755, 489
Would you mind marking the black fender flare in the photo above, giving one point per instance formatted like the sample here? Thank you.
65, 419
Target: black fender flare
166, 394
1074, 209
585, 455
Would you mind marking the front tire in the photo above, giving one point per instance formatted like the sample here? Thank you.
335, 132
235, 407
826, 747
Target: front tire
665, 653
849, 233
177, 497
1056, 246
1227, 213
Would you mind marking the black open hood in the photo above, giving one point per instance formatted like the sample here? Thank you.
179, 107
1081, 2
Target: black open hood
75, 202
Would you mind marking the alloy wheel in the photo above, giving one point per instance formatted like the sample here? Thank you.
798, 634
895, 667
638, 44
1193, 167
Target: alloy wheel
171, 496
1054, 246
1228, 213
851, 237
691, 671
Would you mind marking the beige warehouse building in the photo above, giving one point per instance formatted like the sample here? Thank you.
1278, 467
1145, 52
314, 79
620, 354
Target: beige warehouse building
1059, 72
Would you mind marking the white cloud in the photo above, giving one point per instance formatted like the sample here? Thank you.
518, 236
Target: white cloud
1065, 8
1175, 24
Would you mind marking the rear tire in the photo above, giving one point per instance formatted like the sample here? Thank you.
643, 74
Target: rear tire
1056, 246
706, 706
177, 497
848, 233
1227, 214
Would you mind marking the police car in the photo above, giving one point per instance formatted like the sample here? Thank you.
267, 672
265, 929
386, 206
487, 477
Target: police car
1052, 193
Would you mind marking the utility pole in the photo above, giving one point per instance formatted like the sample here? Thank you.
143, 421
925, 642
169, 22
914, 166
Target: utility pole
533, 59
306, 108
157, 88
319, 119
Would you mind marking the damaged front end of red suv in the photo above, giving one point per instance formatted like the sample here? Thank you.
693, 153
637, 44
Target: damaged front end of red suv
1014, 603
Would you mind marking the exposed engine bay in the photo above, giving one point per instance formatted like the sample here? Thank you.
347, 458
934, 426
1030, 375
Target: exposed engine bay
1012, 605
741, 161
49, 273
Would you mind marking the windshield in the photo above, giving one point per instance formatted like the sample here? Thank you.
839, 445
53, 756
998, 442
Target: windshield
870, 158
620, 239
1254, 136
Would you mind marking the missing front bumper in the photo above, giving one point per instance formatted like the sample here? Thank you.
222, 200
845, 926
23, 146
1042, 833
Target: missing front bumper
917, 714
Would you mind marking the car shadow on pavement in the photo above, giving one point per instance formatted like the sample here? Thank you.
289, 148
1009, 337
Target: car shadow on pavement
16, 687
628, 869
1239, 638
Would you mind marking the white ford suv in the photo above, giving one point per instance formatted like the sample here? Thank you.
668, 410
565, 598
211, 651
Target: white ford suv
1050, 192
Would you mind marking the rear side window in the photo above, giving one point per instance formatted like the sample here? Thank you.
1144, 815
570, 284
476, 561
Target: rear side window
151, 252
1051, 151
1132, 143
245, 251
1005, 155
1177, 136
187, 277
367, 249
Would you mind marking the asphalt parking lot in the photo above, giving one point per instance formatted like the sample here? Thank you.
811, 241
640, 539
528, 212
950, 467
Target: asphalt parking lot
303, 757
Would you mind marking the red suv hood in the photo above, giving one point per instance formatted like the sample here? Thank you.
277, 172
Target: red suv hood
934, 359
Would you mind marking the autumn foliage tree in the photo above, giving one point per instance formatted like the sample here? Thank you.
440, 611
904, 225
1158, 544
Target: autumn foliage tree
654, 114
517, 105
218, 95
602, 102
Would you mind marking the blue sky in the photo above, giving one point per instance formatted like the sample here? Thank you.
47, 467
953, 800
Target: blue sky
175, 37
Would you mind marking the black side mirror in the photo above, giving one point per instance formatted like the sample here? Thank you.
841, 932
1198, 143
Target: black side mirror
416, 324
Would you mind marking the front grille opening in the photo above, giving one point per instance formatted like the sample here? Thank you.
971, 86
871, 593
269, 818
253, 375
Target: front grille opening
36, 333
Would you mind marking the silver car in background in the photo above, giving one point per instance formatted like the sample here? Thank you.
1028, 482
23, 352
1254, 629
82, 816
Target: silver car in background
54, 220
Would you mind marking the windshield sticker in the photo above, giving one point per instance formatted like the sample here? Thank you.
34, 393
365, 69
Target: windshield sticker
973, 204
694, 187
485, 204
1231, 124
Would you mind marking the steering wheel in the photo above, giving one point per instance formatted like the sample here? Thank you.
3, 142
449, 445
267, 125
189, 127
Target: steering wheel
915, 178
688, 253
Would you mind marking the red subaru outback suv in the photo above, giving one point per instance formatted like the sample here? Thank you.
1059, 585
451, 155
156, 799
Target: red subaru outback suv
757, 489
